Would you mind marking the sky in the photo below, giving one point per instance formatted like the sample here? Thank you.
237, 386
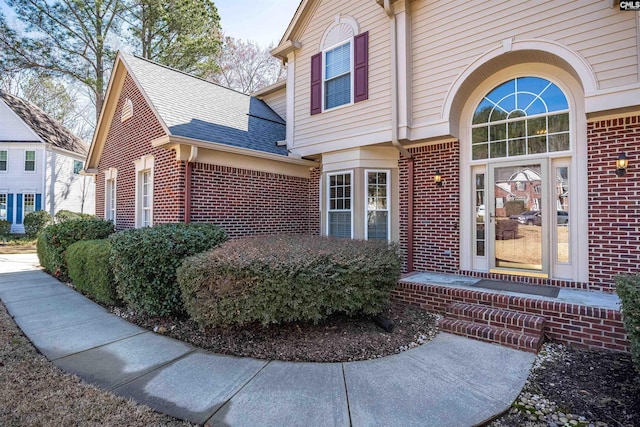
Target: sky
261, 21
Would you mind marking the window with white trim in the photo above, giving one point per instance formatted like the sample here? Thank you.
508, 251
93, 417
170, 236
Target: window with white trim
337, 76
29, 161
29, 204
339, 212
77, 167
110, 176
4, 160
144, 191
377, 226
3, 206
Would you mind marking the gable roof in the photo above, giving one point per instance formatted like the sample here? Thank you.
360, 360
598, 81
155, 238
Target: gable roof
195, 108
48, 129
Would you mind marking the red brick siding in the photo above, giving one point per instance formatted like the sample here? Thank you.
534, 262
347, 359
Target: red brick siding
590, 327
614, 202
129, 141
436, 230
246, 202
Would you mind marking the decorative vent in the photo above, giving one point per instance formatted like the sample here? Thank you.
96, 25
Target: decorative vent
127, 110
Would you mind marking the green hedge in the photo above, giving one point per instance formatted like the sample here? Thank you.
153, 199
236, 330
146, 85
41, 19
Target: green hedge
145, 260
90, 271
55, 239
35, 222
66, 215
5, 229
275, 279
628, 288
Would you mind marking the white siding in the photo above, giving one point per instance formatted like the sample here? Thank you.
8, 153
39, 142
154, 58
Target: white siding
341, 127
449, 36
66, 190
278, 102
12, 128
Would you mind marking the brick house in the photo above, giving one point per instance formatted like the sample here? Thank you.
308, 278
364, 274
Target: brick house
384, 96
40, 164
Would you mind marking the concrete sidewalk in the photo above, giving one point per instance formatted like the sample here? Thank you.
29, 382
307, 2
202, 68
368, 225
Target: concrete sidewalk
451, 380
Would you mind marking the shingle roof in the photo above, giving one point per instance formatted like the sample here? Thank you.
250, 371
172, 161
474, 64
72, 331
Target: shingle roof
195, 108
50, 130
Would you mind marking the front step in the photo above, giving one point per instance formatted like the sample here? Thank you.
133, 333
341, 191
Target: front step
510, 328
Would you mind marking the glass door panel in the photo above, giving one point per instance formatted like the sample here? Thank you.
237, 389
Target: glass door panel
517, 217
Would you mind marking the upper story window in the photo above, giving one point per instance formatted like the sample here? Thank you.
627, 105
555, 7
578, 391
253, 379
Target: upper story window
77, 166
29, 161
526, 115
340, 71
3, 160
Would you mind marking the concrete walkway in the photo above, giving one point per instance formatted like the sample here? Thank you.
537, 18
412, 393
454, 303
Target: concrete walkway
451, 380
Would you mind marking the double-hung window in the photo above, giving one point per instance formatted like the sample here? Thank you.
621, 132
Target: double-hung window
110, 205
337, 76
4, 159
146, 199
339, 198
377, 226
29, 161
3, 206
340, 74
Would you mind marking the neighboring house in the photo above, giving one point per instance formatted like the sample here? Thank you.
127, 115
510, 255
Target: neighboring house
170, 147
40, 164
381, 97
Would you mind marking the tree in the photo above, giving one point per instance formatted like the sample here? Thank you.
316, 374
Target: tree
182, 34
63, 38
247, 67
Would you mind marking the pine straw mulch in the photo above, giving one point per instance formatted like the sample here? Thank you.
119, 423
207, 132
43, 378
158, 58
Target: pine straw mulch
33, 392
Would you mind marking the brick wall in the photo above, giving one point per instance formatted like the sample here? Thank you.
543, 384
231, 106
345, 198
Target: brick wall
590, 327
127, 142
614, 202
436, 230
247, 202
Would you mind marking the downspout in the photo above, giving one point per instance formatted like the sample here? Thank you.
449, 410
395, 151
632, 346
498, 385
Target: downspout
394, 131
187, 183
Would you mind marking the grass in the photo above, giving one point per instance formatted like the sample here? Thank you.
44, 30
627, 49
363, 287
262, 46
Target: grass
526, 249
33, 392
17, 244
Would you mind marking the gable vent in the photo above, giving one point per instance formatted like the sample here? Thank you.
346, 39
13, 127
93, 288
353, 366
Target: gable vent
127, 110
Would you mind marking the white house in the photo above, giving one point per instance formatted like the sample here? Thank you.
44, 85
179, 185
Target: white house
40, 164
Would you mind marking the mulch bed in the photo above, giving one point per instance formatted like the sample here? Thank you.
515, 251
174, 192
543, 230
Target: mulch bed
338, 339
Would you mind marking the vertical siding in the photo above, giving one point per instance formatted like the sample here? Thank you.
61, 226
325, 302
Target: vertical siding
371, 115
448, 36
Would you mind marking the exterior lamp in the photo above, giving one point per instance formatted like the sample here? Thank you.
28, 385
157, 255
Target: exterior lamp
437, 178
621, 164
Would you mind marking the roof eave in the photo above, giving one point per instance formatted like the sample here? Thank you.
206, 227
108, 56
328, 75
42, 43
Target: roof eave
284, 49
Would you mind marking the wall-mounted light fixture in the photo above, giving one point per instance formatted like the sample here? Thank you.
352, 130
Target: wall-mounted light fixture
621, 164
437, 178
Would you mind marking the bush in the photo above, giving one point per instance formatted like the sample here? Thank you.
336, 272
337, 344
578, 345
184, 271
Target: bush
506, 229
5, 229
514, 207
145, 261
274, 279
35, 222
55, 239
90, 271
65, 215
628, 288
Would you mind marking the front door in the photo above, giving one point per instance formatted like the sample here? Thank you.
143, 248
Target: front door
518, 218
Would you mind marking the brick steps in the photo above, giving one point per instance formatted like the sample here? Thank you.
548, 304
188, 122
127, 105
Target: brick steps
506, 327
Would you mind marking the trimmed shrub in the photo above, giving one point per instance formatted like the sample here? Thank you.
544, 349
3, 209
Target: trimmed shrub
506, 229
275, 279
55, 239
90, 271
5, 229
628, 288
66, 215
35, 222
145, 261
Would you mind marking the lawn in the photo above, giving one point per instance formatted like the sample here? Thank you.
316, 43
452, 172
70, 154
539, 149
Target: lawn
17, 244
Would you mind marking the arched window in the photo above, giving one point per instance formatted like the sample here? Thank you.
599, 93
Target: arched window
526, 115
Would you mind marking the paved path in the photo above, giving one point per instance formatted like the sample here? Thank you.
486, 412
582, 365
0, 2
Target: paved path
450, 381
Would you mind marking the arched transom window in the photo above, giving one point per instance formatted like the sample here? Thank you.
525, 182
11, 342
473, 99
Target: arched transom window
526, 115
